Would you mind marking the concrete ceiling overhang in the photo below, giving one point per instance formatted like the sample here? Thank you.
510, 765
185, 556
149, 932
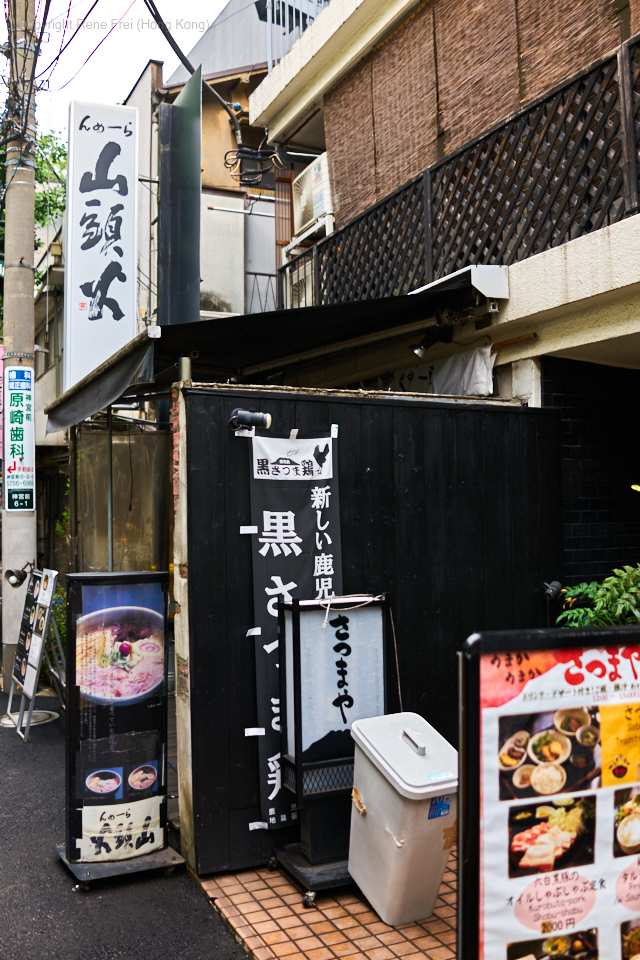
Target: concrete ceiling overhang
615, 352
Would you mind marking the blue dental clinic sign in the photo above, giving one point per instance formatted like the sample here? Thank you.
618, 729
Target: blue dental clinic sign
19, 453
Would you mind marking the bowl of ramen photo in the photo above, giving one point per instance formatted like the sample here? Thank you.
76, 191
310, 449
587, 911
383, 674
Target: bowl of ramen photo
120, 655
103, 781
143, 777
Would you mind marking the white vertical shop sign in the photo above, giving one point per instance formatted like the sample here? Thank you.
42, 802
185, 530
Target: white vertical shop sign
19, 453
101, 236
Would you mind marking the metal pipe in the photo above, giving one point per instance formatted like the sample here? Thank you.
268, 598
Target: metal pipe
73, 499
270, 35
110, 484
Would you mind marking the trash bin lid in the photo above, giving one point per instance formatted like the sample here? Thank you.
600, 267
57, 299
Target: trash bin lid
410, 753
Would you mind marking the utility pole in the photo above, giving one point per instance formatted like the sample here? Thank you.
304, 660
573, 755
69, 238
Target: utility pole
19, 529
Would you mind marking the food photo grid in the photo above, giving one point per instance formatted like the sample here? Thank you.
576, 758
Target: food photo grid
542, 754
557, 753
134, 781
582, 945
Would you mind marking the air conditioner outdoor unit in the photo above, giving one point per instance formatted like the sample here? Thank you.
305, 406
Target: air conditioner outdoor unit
302, 287
311, 194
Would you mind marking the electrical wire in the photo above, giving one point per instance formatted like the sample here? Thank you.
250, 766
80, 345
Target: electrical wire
64, 33
109, 32
155, 13
75, 33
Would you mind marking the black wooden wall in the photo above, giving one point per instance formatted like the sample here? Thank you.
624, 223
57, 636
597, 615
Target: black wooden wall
454, 508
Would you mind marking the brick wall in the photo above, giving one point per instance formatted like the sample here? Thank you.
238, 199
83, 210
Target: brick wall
453, 69
600, 460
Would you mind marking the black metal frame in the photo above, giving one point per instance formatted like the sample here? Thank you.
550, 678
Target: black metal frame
564, 165
293, 768
75, 582
503, 641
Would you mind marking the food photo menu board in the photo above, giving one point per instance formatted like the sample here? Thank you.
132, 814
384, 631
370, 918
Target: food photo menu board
33, 629
550, 794
117, 659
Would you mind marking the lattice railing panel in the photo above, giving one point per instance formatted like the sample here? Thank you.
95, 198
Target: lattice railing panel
566, 166
634, 57
552, 174
381, 254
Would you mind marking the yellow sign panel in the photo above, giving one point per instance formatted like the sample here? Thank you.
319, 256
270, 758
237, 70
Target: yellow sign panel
620, 740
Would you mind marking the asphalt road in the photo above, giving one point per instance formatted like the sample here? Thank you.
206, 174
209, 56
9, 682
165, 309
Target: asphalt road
42, 917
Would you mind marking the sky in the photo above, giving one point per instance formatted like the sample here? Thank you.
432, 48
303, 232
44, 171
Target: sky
113, 69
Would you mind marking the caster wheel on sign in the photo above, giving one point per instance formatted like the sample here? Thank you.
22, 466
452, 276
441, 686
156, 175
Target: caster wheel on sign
168, 871
272, 864
309, 899
84, 887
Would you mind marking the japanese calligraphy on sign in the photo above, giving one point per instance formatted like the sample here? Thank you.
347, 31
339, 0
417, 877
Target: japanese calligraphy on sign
560, 799
342, 675
101, 272
296, 553
121, 830
19, 457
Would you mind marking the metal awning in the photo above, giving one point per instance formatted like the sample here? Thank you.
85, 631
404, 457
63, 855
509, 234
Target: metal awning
241, 346
133, 364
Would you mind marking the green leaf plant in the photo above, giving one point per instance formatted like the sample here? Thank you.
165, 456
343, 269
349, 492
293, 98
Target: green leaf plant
614, 602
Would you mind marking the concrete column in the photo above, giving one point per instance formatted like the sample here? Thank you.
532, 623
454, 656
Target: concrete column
19, 530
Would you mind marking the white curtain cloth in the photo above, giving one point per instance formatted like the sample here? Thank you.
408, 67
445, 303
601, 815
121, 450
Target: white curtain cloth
468, 374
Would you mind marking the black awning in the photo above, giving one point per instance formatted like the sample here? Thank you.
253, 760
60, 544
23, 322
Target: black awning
234, 346
104, 385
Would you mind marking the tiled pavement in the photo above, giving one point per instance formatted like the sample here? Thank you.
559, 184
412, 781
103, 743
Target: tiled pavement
265, 911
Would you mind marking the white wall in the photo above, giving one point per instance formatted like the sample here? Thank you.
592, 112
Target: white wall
222, 233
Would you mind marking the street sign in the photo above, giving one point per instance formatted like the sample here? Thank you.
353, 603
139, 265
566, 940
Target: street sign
19, 454
101, 272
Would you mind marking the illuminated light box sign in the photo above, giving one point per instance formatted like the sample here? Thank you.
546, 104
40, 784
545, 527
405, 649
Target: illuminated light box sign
101, 236
19, 440
332, 665
550, 794
116, 718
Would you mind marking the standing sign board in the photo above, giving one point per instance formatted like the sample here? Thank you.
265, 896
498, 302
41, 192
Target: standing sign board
116, 715
101, 274
332, 655
296, 553
550, 794
34, 628
19, 440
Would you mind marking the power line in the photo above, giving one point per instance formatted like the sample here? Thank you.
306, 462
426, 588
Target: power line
75, 32
109, 32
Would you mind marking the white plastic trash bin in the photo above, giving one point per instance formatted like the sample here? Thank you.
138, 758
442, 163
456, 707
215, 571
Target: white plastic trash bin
403, 816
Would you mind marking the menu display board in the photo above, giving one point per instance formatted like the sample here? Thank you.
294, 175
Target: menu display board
550, 742
116, 729
33, 629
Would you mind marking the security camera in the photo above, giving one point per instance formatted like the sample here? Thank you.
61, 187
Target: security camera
247, 420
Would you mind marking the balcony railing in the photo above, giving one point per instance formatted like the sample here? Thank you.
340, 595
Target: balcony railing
562, 167
286, 21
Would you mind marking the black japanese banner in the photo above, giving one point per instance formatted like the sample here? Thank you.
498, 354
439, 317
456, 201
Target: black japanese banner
295, 516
